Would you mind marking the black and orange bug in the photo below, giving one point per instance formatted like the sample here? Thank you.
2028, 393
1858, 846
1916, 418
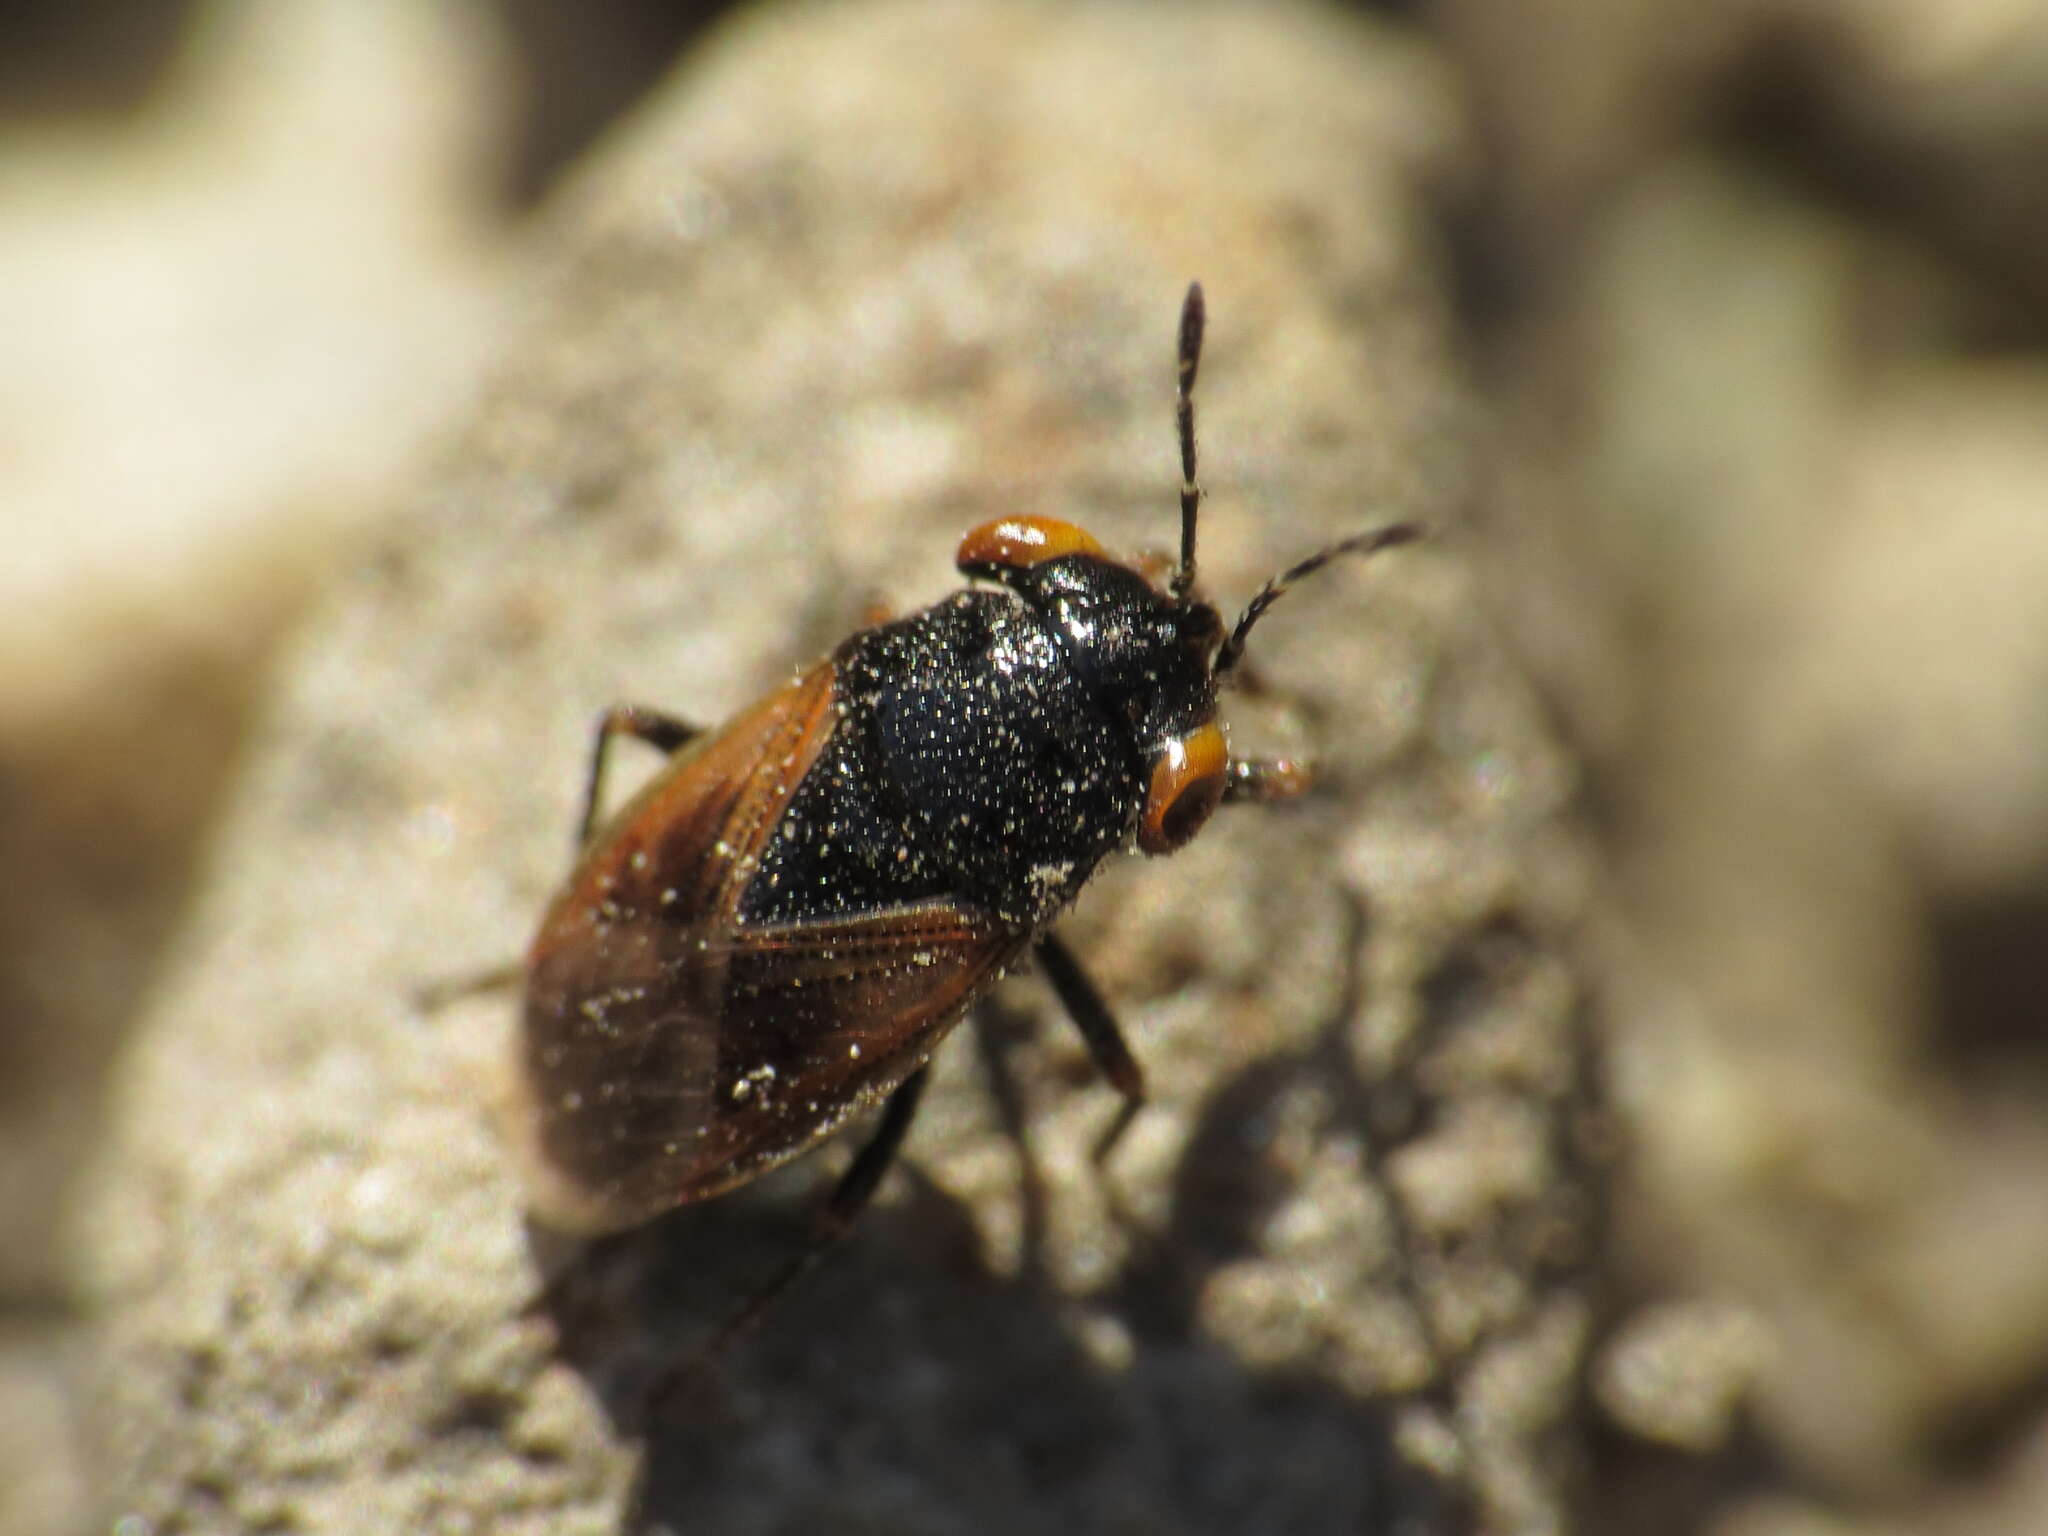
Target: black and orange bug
774, 935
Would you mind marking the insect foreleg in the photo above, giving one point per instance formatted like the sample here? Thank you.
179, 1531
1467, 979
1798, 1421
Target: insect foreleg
1098, 1026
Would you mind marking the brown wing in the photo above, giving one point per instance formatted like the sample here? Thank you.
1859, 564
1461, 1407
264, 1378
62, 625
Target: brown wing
670, 1053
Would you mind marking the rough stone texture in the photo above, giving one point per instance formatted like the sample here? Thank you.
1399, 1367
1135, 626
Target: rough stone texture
183, 303
822, 308
1832, 824
1769, 527
227, 312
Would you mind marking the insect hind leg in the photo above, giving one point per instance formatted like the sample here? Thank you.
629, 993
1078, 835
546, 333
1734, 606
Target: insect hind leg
855, 1189
660, 730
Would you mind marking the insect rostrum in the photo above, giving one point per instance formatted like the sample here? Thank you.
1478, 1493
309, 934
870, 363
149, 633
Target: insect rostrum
775, 934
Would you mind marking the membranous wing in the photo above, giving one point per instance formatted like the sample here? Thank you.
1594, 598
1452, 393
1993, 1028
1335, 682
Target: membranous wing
671, 1051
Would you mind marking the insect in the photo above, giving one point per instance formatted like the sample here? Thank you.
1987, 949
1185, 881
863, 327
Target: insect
774, 935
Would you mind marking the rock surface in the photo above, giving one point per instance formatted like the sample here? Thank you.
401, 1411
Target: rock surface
816, 313
1768, 345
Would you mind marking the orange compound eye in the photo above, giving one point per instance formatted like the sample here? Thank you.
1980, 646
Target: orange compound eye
1018, 543
1187, 783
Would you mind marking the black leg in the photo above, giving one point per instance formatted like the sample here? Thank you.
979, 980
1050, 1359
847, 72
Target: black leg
850, 1197
996, 1031
1098, 1027
1193, 316
665, 732
658, 730
857, 1185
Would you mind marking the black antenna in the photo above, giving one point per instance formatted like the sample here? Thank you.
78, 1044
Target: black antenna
1370, 542
1193, 315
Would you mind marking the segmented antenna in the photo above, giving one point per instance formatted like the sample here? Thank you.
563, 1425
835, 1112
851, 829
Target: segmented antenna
1193, 315
1370, 542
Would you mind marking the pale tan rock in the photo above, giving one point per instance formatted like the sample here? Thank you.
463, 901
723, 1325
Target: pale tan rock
821, 307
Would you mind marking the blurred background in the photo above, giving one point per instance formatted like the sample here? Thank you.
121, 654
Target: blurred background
1754, 298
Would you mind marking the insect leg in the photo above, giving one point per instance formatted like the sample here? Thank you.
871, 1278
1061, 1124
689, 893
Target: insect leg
850, 1196
433, 996
1259, 780
1091, 1015
1193, 316
658, 730
857, 1185
649, 725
